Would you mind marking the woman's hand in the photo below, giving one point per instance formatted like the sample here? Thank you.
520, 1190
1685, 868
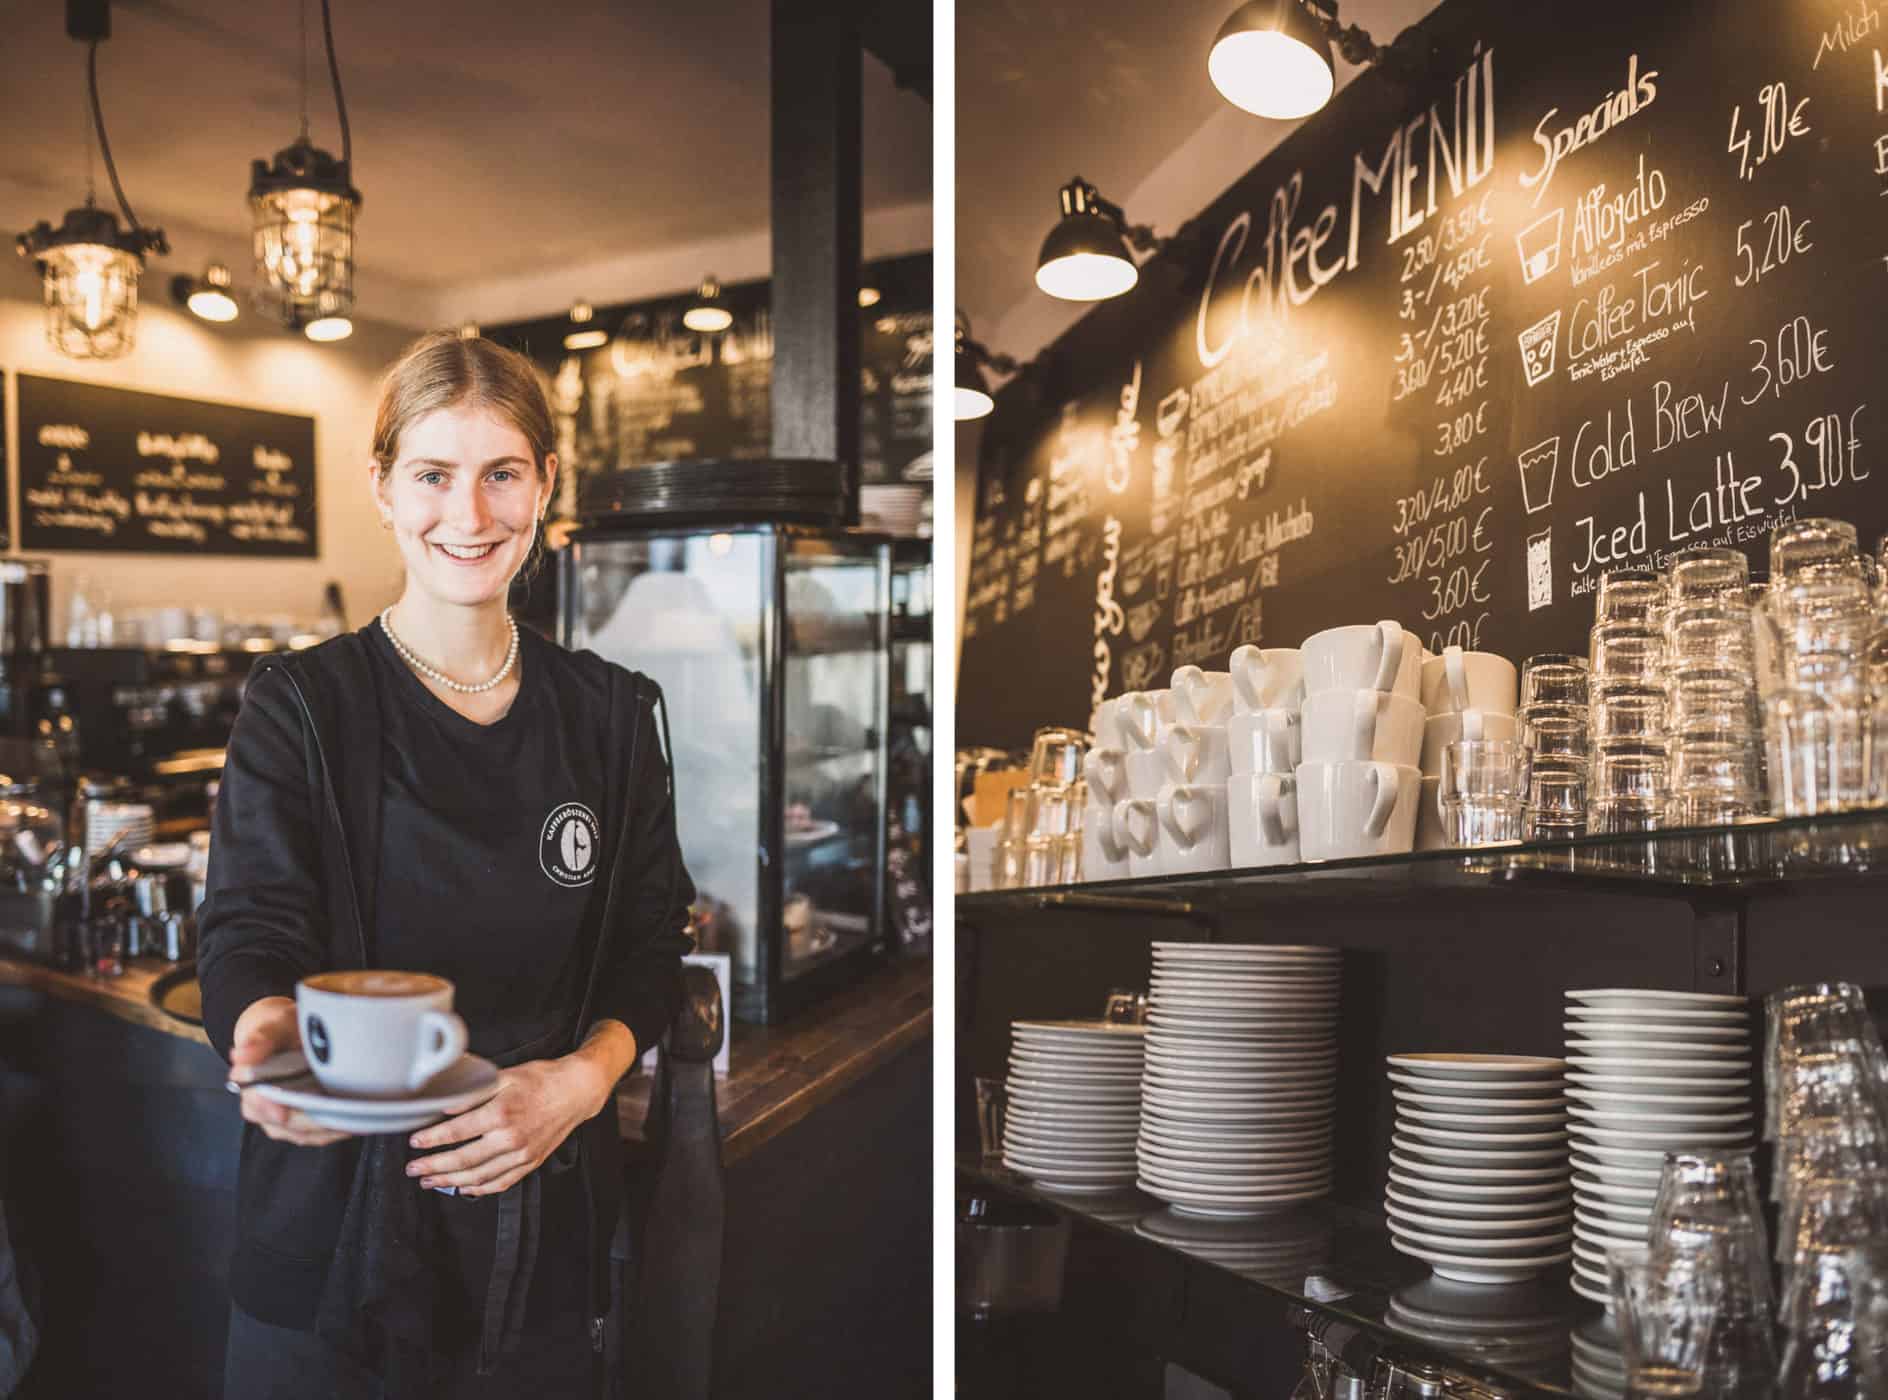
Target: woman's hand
267, 1027
538, 1105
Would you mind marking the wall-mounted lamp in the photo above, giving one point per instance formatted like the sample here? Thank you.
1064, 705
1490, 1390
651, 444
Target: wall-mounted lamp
1085, 257
973, 399
1273, 57
868, 296
583, 335
707, 313
207, 297
88, 266
325, 328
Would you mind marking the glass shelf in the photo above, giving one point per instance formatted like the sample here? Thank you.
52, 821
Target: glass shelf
1337, 1261
1681, 862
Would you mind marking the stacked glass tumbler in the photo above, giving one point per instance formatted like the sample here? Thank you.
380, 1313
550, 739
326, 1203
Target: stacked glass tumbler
1628, 774
1812, 634
1555, 718
1713, 726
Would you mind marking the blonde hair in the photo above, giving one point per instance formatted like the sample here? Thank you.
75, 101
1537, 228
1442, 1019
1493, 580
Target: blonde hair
443, 369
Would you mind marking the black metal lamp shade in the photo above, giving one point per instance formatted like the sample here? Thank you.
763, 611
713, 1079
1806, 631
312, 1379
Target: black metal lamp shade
1273, 58
303, 209
1085, 257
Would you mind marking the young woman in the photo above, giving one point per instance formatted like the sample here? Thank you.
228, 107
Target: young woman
398, 797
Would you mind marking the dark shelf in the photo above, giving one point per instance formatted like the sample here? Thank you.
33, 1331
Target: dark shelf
1684, 863
1337, 1261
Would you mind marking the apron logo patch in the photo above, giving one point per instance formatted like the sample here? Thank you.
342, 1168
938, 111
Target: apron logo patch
568, 848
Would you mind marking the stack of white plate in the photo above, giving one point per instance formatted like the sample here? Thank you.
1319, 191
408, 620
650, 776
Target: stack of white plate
1478, 1165
1239, 1088
1282, 1250
1649, 1073
1074, 1093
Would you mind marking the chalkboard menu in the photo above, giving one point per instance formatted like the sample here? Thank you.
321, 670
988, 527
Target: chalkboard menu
655, 391
1610, 282
102, 468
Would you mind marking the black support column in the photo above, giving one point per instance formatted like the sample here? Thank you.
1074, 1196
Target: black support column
816, 235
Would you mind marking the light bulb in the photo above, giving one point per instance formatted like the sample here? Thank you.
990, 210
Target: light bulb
329, 328
972, 403
1087, 276
1270, 74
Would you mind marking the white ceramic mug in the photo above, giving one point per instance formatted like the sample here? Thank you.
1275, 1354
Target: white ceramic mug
1137, 831
1356, 809
1382, 657
1461, 680
1106, 722
1265, 678
1201, 697
1144, 717
1265, 741
1343, 726
1106, 771
1197, 753
1103, 857
377, 1034
1262, 819
1193, 832
1439, 731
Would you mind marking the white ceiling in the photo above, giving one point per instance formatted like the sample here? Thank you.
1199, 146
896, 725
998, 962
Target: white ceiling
493, 141
1114, 91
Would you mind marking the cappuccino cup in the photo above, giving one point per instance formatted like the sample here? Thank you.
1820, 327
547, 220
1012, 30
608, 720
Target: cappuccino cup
1461, 680
377, 1034
1383, 657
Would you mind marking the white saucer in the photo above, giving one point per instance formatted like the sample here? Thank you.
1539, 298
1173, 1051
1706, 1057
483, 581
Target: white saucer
1104, 1031
1474, 1067
1462, 1103
1627, 1192
1412, 1198
463, 1085
1631, 1120
1553, 1185
1512, 1156
1606, 1081
1673, 1140
1490, 1088
1648, 1103
1498, 1124
1461, 1227
1668, 1017
1551, 1176
1636, 999
1472, 1268
1491, 1141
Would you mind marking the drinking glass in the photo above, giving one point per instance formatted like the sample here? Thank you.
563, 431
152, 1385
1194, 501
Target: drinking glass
1807, 744
1706, 573
1713, 706
1813, 546
1629, 595
1813, 1018
1556, 798
1712, 781
992, 1101
1552, 730
1056, 755
1554, 678
1042, 860
1868, 1285
1483, 788
1629, 714
1713, 1192
1666, 1317
1053, 809
1626, 653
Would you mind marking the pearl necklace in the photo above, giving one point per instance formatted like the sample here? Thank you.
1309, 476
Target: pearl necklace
439, 678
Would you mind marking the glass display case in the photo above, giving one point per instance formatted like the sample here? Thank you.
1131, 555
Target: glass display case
908, 813
772, 645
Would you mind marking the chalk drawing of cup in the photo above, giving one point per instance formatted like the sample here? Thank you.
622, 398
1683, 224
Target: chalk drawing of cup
1539, 247
1539, 465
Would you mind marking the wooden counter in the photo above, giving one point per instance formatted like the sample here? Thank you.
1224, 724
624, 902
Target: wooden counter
779, 1073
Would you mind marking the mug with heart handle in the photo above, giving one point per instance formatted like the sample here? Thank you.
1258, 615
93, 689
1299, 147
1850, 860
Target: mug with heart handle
1262, 819
1265, 678
1201, 697
1193, 831
1137, 831
1265, 741
1103, 857
1106, 772
1197, 753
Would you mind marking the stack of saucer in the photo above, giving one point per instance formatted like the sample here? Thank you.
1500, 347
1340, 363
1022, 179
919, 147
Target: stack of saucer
1478, 1165
1282, 1250
1074, 1089
1522, 1327
1651, 1072
1239, 1087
